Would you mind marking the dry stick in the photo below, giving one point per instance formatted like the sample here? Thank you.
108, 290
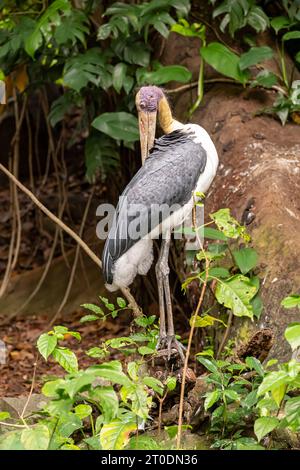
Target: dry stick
31, 389
125, 291
224, 339
194, 318
73, 270
30, 151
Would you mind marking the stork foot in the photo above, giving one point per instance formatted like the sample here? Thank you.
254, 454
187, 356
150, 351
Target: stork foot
168, 345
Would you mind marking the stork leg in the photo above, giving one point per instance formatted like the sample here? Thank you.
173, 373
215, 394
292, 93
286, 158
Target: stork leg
166, 338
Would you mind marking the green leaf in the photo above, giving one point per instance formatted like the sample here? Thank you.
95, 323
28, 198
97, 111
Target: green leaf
4, 415
204, 321
83, 411
80, 382
121, 302
89, 67
88, 318
236, 294
171, 383
272, 381
46, 344
246, 259
224, 61
280, 22
66, 358
211, 399
265, 79
209, 364
155, 384
108, 401
101, 155
229, 225
185, 29
214, 234
93, 308
292, 410
291, 301
45, 25
255, 364
291, 35
115, 435
144, 350
232, 395
119, 75
50, 389
118, 125
173, 430
254, 56
292, 335
111, 371
36, 438
164, 75
96, 352
264, 426
257, 19
73, 27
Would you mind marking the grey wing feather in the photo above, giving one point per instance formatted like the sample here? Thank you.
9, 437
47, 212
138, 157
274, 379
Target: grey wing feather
169, 176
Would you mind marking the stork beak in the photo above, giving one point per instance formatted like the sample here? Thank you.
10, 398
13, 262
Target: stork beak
147, 127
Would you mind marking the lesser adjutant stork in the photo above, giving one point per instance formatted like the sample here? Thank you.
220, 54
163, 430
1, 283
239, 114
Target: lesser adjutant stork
177, 166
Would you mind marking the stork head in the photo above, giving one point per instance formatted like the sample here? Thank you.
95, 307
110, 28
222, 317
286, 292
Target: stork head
147, 103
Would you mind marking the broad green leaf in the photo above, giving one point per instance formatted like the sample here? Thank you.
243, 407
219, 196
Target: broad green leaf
264, 426
115, 435
236, 294
209, 364
171, 383
111, 371
204, 321
143, 442
229, 225
96, 352
246, 259
255, 364
44, 25
144, 350
93, 308
50, 389
89, 67
83, 411
291, 301
214, 234
73, 27
292, 409
278, 394
36, 438
154, 383
165, 74
121, 302
254, 56
265, 79
272, 381
118, 125
119, 75
68, 424
11, 441
46, 345
173, 430
257, 19
108, 401
189, 30
88, 318
66, 358
211, 399
291, 35
80, 382
292, 335
232, 395
224, 61
280, 22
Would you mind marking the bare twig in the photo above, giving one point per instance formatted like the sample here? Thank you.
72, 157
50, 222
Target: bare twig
225, 336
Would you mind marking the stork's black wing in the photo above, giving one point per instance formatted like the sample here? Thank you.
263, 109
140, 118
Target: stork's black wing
169, 176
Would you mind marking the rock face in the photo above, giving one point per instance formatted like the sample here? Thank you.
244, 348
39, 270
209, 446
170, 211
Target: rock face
259, 180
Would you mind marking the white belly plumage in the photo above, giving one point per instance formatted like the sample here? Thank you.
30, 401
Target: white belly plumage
139, 258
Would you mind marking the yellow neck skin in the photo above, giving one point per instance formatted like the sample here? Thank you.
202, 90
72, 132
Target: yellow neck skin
166, 121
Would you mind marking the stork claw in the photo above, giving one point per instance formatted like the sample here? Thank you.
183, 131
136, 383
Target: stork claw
167, 345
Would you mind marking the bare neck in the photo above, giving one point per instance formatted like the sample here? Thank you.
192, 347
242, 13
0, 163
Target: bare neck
167, 123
